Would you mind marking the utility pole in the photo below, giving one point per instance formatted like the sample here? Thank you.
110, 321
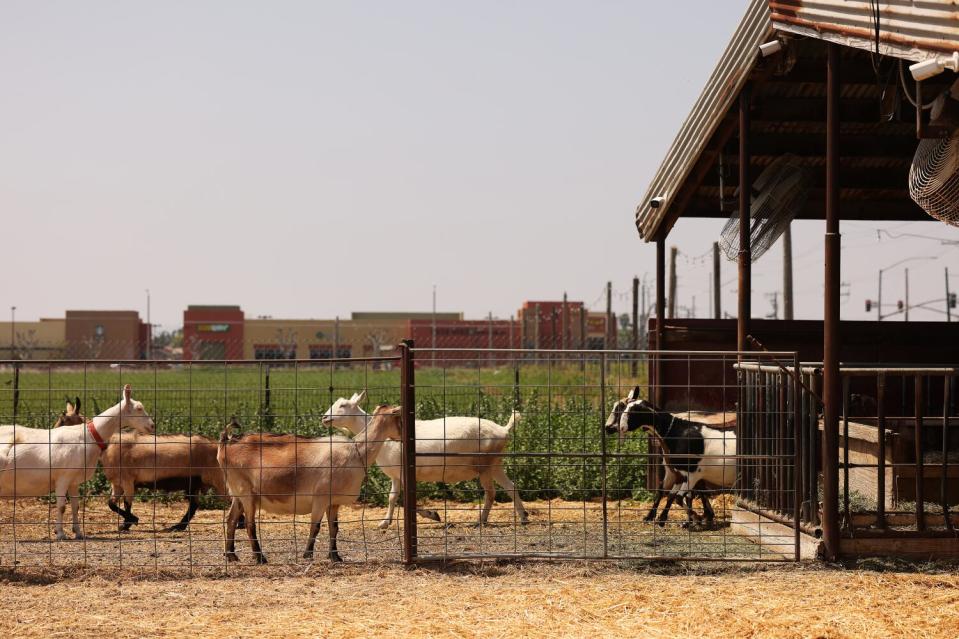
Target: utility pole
535, 325
716, 290
13, 332
907, 294
489, 337
511, 320
149, 344
788, 273
553, 330
565, 323
879, 300
433, 335
336, 337
610, 323
582, 327
643, 318
948, 299
635, 341
671, 311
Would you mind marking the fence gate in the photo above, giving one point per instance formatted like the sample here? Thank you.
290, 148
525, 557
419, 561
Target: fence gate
568, 486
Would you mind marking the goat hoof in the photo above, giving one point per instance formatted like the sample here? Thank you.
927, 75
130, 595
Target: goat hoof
261, 558
61, 536
231, 556
661, 523
308, 554
384, 525
78, 535
335, 557
174, 528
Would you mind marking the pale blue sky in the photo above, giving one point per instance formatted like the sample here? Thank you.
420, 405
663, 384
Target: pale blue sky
279, 156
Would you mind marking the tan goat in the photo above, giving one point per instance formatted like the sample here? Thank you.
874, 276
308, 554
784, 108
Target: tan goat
288, 474
161, 462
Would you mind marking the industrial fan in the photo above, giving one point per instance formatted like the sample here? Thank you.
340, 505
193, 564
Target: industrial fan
777, 196
934, 174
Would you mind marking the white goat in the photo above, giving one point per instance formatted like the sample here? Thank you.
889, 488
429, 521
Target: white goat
37, 461
457, 435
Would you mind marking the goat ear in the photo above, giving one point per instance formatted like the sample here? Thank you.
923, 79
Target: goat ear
127, 393
633, 394
76, 404
359, 397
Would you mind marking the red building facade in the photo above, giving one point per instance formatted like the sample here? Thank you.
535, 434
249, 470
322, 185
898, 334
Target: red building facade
213, 332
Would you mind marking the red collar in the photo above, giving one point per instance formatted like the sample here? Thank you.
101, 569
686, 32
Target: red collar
95, 435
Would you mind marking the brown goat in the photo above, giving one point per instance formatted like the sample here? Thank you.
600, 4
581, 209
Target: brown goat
161, 462
292, 475
71, 415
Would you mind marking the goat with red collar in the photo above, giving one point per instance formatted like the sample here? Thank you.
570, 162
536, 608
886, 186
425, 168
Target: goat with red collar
37, 461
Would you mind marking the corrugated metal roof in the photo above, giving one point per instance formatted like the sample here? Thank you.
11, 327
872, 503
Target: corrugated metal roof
723, 86
907, 28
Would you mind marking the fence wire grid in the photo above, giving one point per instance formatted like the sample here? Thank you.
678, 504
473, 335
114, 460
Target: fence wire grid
519, 454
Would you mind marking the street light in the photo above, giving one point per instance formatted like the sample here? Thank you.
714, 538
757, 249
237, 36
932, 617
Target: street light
902, 261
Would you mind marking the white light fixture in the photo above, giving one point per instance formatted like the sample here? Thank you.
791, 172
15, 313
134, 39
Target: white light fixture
657, 202
771, 48
934, 66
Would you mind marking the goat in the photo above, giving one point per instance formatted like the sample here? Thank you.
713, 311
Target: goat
161, 462
693, 451
462, 435
293, 475
71, 415
36, 461
670, 477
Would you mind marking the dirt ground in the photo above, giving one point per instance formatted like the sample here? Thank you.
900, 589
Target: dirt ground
556, 528
151, 584
562, 599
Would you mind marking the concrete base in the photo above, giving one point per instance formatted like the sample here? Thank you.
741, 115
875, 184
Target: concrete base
773, 537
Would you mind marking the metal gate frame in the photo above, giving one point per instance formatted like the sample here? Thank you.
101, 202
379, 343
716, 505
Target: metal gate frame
411, 555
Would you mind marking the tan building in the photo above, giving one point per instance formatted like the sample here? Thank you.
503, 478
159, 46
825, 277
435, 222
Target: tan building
42, 339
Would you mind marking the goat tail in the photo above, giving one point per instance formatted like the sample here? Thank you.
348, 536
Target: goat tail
514, 419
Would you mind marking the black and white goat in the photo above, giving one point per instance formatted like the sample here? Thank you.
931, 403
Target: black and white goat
694, 454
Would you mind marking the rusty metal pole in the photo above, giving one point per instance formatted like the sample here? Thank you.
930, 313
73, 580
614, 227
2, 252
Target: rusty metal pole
745, 248
660, 314
788, 313
408, 390
832, 385
717, 291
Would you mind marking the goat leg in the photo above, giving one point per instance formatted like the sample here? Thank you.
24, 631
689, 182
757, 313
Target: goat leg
187, 518
333, 520
236, 511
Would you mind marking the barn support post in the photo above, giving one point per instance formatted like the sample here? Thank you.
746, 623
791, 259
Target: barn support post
832, 390
660, 315
744, 261
408, 452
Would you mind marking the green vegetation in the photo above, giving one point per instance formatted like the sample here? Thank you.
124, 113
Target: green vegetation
562, 406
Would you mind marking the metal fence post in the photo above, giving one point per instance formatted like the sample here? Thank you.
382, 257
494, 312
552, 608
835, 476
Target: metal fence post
408, 394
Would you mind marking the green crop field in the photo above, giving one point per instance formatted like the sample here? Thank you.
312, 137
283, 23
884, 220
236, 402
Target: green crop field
563, 407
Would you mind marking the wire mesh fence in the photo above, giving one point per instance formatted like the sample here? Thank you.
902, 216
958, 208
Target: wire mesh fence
519, 453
